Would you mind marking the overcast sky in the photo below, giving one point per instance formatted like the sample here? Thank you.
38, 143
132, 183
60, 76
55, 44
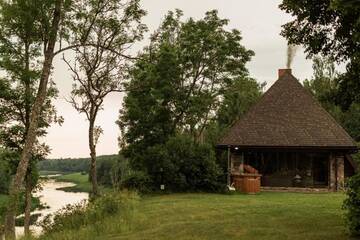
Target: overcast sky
259, 22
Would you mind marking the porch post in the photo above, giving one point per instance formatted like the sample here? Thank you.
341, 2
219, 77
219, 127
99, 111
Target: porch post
340, 173
228, 166
242, 162
332, 173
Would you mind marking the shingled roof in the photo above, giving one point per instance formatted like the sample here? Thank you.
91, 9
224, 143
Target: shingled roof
287, 115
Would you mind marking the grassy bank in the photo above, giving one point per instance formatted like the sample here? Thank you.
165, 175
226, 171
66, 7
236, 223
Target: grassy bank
268, 216
46, 173
80, 180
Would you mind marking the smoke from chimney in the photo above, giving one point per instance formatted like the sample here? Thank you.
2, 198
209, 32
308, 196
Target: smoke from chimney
291, 51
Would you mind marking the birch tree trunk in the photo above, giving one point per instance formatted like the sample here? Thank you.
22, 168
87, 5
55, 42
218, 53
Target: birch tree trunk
18, 180
27, 216
92, 146
28, 184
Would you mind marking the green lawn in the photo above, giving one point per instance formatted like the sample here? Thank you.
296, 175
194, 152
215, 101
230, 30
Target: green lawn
267, 216
81, 181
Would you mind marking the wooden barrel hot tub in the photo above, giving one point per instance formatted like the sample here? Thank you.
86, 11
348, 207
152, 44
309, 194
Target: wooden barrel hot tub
247, 182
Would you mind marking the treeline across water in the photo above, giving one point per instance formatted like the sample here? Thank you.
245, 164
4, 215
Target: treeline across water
67, 165
107, 166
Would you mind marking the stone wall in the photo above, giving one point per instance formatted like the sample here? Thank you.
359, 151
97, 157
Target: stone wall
336, 172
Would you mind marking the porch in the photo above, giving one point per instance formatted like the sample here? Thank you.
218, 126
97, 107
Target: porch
281, 170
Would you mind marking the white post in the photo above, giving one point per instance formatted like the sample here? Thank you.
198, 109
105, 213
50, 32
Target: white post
229, 167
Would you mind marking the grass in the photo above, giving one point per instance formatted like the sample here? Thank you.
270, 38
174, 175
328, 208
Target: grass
267, 216
81, 182
45, 173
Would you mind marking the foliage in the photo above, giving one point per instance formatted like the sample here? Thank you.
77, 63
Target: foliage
112, 172
28, 31
331, 28
352, 204
137, 181
325, 87
100, 70
177, 87
35, 205
119, 172
6, 170
184, 165
3, 201
67, 165
349, 85
21, 72
238, 98
33, 219
356, 156
20, 49
46, 24
104, 171
74, 217
351, 121
182, 75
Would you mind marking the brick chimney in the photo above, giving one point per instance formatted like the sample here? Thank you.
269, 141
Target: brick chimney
283, 71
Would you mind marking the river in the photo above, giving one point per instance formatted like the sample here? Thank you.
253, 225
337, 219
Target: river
55, 199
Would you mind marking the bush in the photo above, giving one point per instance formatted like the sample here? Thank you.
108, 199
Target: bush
352, 204
103, 169
7, 168
2, 214
73, 217
137, 180
183, 165
20, 221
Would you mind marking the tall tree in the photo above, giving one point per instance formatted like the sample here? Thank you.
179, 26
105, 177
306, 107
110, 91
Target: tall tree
99, 71
331, 28
324, 85
22, 71
237, 100
182, 76
55, 21
20, 41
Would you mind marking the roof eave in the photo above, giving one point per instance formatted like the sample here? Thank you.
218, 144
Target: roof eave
342, 148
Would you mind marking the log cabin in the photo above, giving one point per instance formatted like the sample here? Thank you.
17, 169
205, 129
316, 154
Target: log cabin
291, 141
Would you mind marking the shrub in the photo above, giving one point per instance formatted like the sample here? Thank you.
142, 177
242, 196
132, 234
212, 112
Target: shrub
2, 215
20, 221
73, 217
352, 204
103, 169
137, 180
183, 165
7, 164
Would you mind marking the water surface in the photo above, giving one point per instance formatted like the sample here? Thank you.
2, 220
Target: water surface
55, 199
